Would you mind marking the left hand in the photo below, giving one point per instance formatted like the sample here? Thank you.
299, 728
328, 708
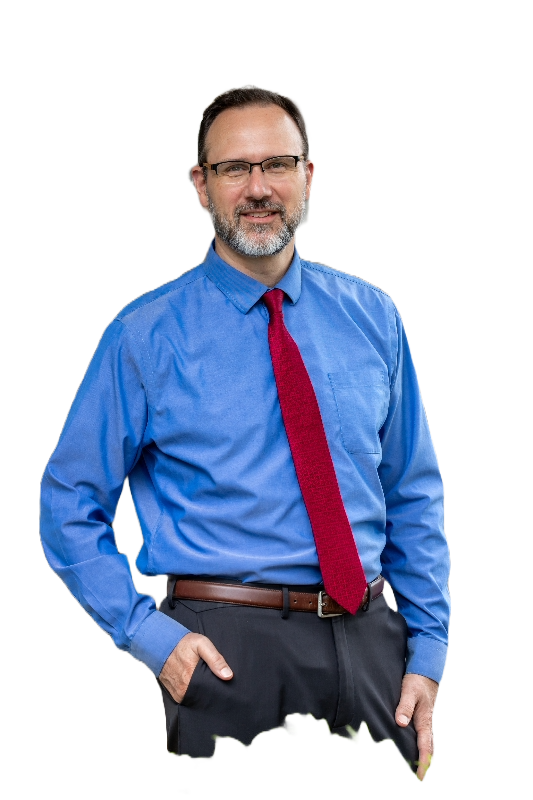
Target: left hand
417, 701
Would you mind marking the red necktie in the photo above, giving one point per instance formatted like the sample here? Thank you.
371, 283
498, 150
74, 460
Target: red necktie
342, 572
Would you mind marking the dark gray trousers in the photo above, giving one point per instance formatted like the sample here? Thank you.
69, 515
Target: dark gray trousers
344, 669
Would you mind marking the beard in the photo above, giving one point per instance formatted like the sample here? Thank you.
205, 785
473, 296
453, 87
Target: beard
257, 240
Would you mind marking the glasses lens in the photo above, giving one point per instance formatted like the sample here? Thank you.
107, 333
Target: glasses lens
233, 169
280, 166
276, 167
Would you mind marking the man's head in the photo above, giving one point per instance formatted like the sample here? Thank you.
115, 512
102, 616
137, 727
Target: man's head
254, 212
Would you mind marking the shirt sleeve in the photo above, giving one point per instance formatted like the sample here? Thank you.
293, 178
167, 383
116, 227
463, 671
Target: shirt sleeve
415, 560
101, 442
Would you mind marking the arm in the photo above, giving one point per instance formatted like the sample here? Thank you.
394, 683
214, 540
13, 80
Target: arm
415, 559
101, 442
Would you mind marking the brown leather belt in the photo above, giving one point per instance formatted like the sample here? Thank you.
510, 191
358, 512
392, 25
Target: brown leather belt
244, 595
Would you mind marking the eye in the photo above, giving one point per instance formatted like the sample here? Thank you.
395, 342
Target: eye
233, 168
280, 165
275, 166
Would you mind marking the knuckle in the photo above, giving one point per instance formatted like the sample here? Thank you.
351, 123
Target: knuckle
210, 654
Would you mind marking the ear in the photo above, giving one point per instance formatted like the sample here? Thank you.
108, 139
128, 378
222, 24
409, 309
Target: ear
199, 180
309, 170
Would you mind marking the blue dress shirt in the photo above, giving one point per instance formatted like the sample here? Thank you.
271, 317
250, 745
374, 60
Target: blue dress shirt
180, 398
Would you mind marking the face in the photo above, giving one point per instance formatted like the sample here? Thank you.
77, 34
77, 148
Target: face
257, 217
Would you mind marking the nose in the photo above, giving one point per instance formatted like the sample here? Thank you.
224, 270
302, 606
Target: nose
257, 185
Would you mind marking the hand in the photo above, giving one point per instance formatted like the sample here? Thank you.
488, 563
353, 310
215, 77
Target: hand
417, 701
179, 666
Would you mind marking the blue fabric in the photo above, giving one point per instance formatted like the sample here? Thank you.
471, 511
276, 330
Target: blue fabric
180, 398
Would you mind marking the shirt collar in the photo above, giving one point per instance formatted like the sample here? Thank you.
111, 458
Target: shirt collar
244, 291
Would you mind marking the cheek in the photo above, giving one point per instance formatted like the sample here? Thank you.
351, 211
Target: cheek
221, 204
294, 198
228, 200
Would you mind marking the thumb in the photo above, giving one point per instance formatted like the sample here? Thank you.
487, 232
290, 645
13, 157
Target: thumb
406, 707
214, 660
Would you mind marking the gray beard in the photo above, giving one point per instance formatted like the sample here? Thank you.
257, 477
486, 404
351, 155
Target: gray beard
232, 233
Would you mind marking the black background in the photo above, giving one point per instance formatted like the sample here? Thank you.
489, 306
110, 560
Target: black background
114, 216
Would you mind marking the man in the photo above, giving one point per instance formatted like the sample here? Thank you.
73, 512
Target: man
267, 414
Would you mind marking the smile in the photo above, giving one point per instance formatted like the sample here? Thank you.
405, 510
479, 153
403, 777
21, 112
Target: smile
253, 215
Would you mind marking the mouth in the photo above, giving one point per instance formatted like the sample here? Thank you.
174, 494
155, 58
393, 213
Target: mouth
260, 217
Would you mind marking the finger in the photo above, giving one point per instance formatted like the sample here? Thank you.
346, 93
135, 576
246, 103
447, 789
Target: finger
425, 743
424, 762
214, 660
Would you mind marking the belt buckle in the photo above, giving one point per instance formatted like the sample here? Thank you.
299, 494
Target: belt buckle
320, 612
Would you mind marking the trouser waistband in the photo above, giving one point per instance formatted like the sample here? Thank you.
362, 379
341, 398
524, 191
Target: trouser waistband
284, 598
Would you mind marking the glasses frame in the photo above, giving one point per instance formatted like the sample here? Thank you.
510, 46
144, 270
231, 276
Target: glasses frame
297, 160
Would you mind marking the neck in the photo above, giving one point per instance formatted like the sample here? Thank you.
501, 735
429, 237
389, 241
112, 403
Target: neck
265, 269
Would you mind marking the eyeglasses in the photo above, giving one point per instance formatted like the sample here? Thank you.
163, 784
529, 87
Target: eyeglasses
275, 168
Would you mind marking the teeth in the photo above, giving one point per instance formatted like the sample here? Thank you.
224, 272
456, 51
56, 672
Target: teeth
265, 214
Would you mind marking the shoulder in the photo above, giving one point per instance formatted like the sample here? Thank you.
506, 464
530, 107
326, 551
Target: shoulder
342, 283
157, 301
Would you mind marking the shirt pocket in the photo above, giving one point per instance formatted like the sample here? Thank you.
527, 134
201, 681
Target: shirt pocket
362, 400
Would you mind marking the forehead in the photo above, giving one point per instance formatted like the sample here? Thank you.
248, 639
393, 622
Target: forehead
253, 133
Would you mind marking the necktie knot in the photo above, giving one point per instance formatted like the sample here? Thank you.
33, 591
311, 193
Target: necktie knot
274, 301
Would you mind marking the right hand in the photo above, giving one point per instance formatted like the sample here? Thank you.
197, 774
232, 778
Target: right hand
179, 666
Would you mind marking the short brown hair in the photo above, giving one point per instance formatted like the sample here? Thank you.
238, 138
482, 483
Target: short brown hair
248, 96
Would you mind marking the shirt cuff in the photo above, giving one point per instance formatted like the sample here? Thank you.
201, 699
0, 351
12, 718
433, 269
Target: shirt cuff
426, 657
155, 639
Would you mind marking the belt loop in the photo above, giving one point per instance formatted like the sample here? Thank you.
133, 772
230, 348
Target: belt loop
170, 596
285, 612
